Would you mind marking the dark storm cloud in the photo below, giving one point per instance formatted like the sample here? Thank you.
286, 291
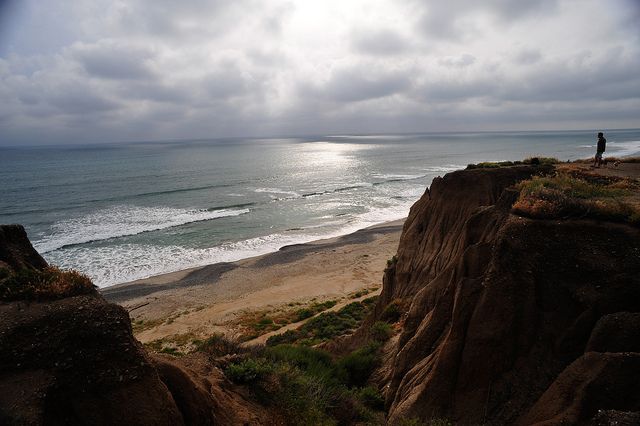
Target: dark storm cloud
112, 61
155, 91
225, 84
447, 90
527, 56
379, 42
449, 20
171, 20
358, 84
562, 83
75, 100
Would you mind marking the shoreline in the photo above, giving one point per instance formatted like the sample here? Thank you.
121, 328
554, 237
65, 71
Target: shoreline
212, 299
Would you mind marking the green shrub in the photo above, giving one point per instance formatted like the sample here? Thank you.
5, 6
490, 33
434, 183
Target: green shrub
358, 365
289, 336
303, 314
308, 386
371, 398
248, 371
49, 283
313, 361
381, 331
540, 160
392, 261
392, 312
310, 311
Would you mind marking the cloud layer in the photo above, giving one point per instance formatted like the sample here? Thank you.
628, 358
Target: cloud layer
99, 71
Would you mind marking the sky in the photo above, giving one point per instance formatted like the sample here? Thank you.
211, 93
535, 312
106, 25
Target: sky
86, 71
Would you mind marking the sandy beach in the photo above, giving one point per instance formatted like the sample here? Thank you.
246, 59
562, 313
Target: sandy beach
212, 299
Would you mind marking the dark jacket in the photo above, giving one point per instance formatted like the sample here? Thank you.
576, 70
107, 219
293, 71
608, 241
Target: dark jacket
602, 143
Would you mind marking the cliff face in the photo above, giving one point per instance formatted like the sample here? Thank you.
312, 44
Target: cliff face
506, 313
74, 360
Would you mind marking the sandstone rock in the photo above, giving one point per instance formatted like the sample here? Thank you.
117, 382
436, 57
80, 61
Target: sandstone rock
500, 305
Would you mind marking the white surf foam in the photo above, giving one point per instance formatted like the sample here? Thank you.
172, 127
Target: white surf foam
276, 191
120, 221
444, 168
119, 263
623, 149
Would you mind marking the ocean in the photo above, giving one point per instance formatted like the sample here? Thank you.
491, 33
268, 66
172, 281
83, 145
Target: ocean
124, 211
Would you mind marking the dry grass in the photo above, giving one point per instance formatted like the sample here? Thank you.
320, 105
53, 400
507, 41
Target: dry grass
49, 283
610, 160
577, 195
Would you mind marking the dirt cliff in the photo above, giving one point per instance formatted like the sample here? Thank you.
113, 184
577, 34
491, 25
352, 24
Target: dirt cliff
69, 357
510, 319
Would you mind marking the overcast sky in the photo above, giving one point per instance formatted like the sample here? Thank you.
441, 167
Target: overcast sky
121, 70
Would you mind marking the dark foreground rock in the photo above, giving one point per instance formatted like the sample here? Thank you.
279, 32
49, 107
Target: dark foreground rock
74, 361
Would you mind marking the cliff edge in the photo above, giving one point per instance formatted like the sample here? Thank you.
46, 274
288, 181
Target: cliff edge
509, 319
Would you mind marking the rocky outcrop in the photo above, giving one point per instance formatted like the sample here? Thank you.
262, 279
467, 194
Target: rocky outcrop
74, 361
507, 313
16, 251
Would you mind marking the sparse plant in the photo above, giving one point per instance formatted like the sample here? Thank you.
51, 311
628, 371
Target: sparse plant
393, 311
359, 365
219, 345
381, 331
248, 370
46, 284
371, 397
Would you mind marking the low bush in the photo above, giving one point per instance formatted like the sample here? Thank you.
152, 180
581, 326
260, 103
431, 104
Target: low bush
49, 283
358, 365
393, 311
219, 345
289, 336
248, 370
308, 386
381, 331
313, 361
371, 398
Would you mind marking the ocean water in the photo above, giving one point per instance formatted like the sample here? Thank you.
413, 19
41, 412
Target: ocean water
120, 212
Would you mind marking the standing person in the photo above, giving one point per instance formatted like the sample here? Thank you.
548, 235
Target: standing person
602, 144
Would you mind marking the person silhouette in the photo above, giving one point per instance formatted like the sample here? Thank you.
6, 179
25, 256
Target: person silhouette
602, 144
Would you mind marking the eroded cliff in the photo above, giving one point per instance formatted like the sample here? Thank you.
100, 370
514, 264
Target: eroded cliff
510, 319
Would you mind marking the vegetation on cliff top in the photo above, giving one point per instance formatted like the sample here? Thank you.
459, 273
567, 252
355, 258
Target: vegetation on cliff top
579, 195
526, 161
46, 284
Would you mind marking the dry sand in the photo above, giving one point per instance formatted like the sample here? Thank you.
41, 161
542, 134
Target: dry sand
210, 299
